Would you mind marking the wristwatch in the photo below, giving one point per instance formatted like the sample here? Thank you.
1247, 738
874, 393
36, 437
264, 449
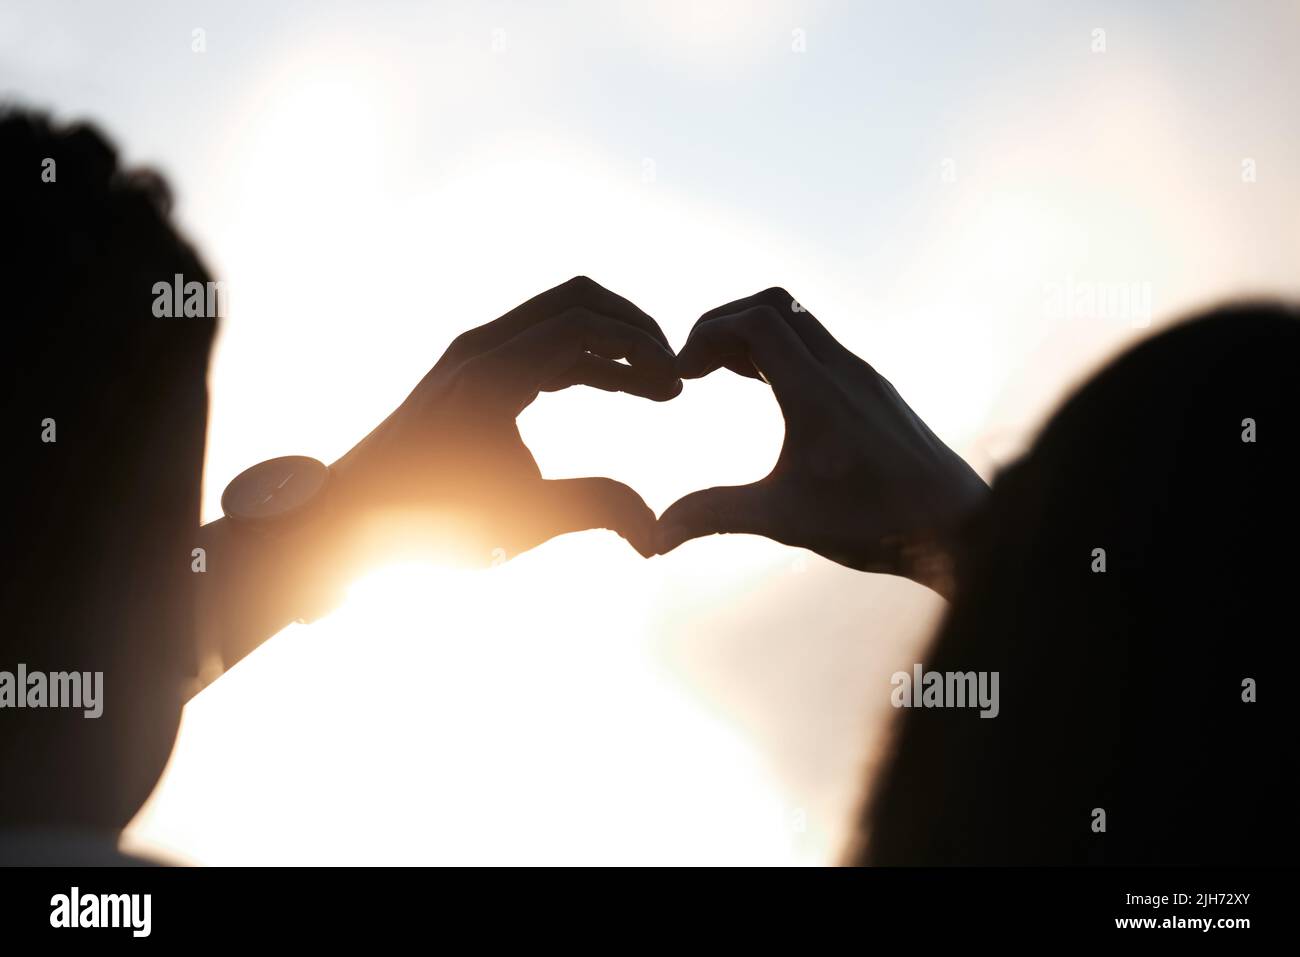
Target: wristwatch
276, 495
285, 495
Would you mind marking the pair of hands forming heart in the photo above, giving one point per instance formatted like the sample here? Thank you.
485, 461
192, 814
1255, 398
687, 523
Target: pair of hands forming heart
860, 479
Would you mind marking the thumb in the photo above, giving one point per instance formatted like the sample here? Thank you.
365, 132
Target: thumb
573, 505
710, 511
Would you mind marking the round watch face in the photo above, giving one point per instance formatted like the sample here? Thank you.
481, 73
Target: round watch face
274, 490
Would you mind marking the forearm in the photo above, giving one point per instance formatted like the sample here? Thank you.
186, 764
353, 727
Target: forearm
252, 586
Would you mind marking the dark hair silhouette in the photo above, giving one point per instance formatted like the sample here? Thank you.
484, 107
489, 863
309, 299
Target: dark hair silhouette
98, 524
1123, 690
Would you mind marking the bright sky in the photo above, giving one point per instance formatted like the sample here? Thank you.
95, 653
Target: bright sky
951, 192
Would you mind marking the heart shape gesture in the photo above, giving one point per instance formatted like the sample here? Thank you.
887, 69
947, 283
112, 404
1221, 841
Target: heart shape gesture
860, 478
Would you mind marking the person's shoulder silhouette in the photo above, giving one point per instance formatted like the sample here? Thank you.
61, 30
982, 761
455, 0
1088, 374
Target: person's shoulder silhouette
1131, 583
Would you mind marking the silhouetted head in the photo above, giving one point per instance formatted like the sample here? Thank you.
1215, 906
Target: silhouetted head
105, 409
1122, 690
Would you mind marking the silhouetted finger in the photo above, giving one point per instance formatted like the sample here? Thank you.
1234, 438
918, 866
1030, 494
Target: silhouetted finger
599, 372
812, 333
561, 350
579, 292
742, 365
722, 510
572, 505
607, 302
758, 334
737, 363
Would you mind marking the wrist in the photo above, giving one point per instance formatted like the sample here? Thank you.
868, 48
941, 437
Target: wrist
930, 562
934, 557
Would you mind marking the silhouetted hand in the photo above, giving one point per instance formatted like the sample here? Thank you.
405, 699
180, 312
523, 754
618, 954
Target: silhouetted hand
450, 462
860, 479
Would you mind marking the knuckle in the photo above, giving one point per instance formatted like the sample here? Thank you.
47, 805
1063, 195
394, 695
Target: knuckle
765, 317
702, 324
464, 344
580, 286
717, 330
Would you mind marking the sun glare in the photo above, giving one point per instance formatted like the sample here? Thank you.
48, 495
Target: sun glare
518, 714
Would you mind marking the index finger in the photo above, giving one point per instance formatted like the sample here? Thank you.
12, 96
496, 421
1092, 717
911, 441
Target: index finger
815, 337
577, 346
578, 292
758, 334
